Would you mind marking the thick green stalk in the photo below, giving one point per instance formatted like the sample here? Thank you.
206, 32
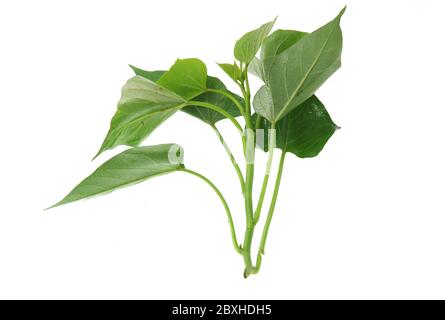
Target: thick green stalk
250, 169
232, 158
249, 151
270, 213
224, 202
250, 225
250, 269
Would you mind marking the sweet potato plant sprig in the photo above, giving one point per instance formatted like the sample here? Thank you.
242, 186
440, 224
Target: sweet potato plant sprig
283, 114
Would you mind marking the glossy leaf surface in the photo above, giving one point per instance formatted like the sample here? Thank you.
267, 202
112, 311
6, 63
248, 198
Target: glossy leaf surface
304, 131
210, 116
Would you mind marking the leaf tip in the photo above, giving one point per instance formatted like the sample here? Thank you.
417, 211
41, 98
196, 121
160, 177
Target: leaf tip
102, 149
97, 154
62, 202
53, 206
342, 11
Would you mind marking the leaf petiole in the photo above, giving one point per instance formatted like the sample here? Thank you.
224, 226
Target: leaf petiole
231, 97
223, 201
232, 158
270, 213
217, 109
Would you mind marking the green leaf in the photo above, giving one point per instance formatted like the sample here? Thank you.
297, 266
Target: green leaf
127, 168
278, 41
207, 115
210, 116
144, 104
187, 78
274, 44
249, 44
257, 69
150, 75
304, 131
296, 73
263, 103
232, 70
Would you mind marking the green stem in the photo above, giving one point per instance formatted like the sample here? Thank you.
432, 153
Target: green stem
249, 150
271, 146
231, 97
250, 169
232, 158
270, 214
217, 109
248, 111
243, 91
258, 122
224, 202
248, 202
250, 226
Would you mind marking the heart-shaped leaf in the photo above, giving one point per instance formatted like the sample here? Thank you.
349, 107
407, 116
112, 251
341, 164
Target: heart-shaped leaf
127, 168
304, 131
249, 44
296, 73
145, 105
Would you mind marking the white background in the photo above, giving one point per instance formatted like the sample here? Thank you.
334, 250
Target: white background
365, 219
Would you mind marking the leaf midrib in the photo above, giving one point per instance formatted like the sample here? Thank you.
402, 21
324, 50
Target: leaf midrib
306, 75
